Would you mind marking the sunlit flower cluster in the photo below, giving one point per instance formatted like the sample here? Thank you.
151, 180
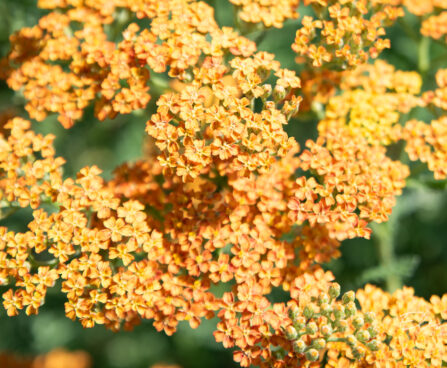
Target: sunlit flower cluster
272, 13
69, 60
344, 34
225, 199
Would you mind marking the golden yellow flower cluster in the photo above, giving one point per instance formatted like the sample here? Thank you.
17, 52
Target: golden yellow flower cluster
415, 330
344, 34
372, 101
272, 13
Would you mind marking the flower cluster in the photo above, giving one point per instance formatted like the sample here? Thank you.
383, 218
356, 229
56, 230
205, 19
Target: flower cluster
372, 101
195, 135
428, 143
224, 199
424, 7
438, 97
342, 194
344, 34
62, 68
414, 329
272, 13
435, 26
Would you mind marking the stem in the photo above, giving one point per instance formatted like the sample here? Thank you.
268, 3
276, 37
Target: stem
424, 55
8, 212
383, 235
159, 84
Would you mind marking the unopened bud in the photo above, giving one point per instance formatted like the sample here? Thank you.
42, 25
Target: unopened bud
363, 336
372, 332
369, 317
350, 309
325, 309
358, 322
334, 290
263, 73
348, 297
267, 91
308, 311
291, 333
342, 325
326, 330
279, 93
299, 346
299, 323
373, 345
356, 354
339, 311
312, 355
311, 328
319, 344
351, 340
294, 313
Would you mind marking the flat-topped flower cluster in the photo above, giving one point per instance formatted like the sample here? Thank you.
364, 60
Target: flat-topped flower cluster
226, 197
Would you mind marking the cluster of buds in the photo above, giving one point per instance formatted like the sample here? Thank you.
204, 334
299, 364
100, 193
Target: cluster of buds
324, 320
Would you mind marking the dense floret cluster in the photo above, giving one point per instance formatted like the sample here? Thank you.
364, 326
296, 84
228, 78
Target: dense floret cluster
226, 197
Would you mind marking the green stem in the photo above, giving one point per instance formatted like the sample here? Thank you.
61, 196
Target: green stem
10, 211
41, 263
424, 55
159, 84
383, 236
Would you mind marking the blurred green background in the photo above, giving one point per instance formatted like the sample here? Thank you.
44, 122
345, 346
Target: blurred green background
419, 224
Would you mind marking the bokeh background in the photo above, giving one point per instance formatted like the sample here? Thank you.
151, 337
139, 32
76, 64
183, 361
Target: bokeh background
419, 222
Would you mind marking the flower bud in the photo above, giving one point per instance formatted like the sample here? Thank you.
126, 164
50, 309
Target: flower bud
334, 290
369, 317
279, 93
311, 328
267, 91
325, 309
291, 333
339, 311
263, 73
341, 325
372, 332
358, 322
373, 345
319, 344
363, 336
299, 346
326, 330
348, 297
351, 340
312, 355
299, 323
308, 311
350, 309
356, 354
294, 313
